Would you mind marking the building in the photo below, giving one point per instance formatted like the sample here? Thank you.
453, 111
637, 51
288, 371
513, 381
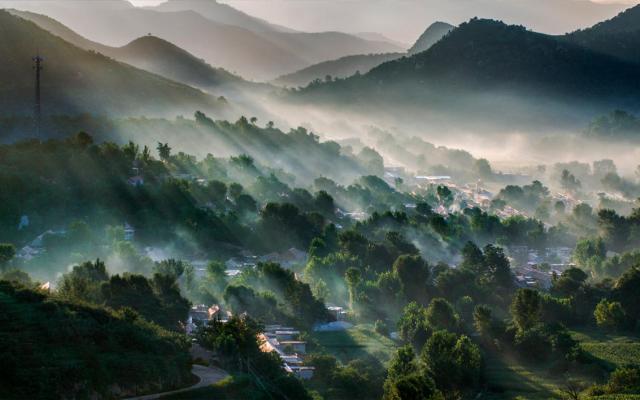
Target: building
338, 313
283, 341
200, 313
129, 232
136, 181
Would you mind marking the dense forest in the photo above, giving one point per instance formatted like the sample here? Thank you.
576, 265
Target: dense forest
444, 283
455, 220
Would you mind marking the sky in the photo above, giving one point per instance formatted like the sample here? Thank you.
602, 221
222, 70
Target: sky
405, 20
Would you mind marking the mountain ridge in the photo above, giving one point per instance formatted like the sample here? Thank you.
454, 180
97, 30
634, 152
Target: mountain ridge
618, 36
262, 56
91, 83
149, 53
485, 65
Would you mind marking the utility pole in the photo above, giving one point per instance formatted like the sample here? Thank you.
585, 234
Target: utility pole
37, 66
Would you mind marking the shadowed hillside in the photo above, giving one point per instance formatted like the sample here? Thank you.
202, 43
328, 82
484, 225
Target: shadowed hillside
341, 68
150, 53
75, 80
618, 36
263, 55
505, 65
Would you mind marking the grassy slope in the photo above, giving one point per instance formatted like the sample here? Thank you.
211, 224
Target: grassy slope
356, 342
611, 349
539, 381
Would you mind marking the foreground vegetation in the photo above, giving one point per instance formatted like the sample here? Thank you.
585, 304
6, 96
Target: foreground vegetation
54, 348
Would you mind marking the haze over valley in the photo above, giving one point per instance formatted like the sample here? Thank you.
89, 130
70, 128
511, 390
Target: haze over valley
327, 200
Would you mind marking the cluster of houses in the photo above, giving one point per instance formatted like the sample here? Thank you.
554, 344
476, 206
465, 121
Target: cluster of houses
201, 314
533, 268
284, 341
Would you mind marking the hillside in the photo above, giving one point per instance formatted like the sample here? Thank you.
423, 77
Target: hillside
618, 36
431, 36
57, 349
75, 80
313, 47
340, 68
505, 66
149, 53
163, 58
264, 55
222, 13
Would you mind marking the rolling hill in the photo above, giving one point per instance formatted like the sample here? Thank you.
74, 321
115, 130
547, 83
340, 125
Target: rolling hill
347, 66
431, 36
502, 65
151, 54
340, 68
221, 13
76, 81
313, 47
255, 55
618, 36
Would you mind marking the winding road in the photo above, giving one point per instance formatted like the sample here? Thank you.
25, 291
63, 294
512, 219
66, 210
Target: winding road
206, 375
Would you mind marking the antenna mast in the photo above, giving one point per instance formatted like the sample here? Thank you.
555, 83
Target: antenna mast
37, 66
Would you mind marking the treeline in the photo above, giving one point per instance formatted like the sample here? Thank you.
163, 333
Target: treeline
297, 151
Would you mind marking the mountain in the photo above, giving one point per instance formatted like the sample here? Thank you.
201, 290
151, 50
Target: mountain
163, 58
350, 65
340, 68
149, 53
379, 37
234, 48
221, 13
485, 66
312, 47
256, 55
431, 36
75, 80
618, 36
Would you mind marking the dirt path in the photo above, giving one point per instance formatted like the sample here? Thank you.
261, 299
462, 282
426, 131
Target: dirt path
207, 375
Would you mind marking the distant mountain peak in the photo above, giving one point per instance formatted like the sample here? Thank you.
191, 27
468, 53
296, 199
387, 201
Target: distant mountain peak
431, 36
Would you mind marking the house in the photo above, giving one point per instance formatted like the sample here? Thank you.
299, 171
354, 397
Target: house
338, 313
24, 222
297, 346
199, 312
286, 334
136, 180
290, 351
129, 232
302, 372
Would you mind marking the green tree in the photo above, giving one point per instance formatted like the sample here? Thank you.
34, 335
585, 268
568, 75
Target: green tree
164, 151
526, 309
626, 292
352, 276
610, 315
440, 315
413, 273
589, 249
482, 320
7, 252
454, 362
